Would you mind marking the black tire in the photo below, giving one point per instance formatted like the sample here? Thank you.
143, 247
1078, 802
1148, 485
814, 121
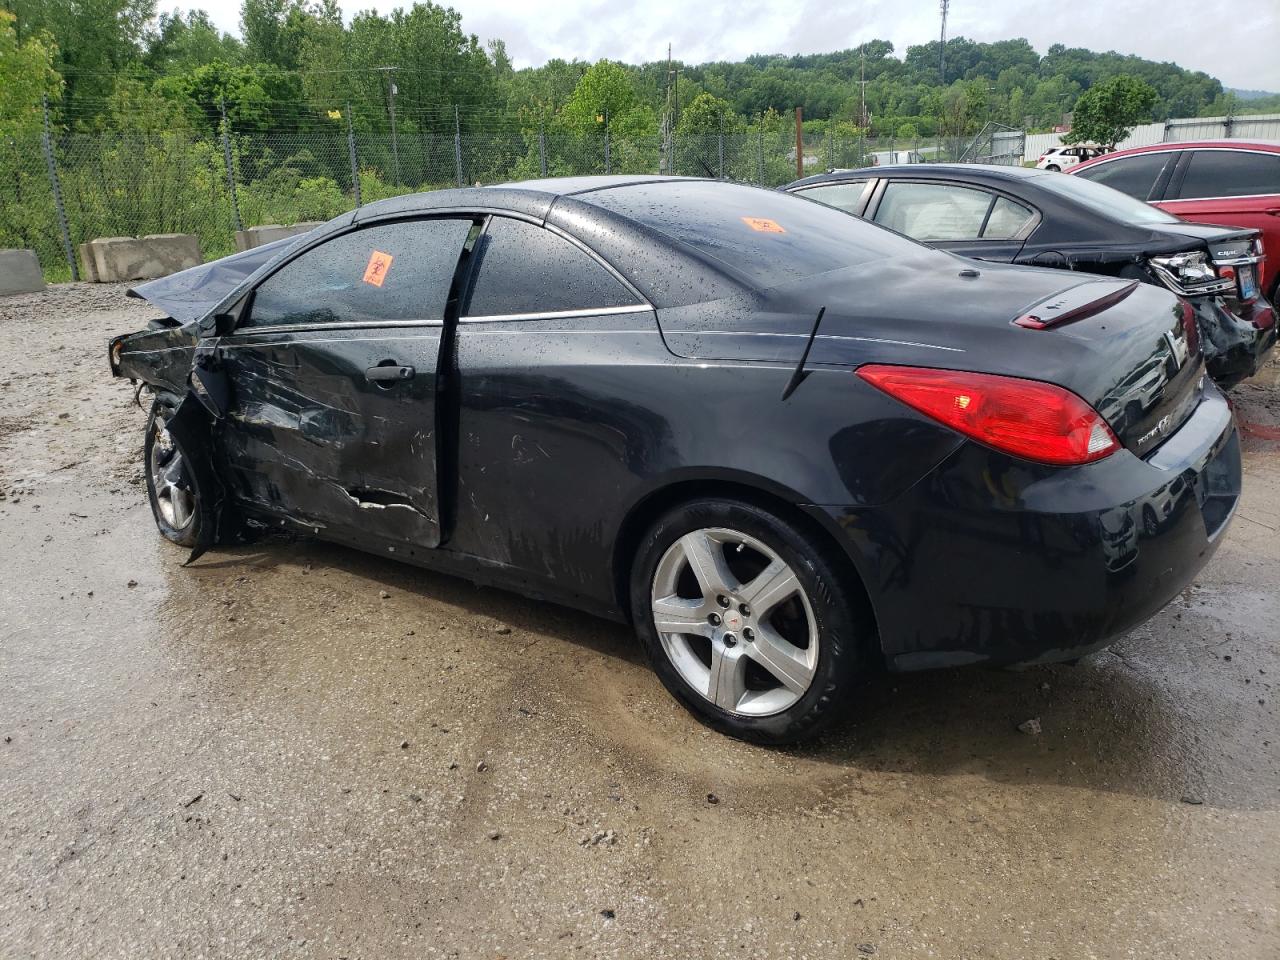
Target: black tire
844, 629
154, 451
1054, 167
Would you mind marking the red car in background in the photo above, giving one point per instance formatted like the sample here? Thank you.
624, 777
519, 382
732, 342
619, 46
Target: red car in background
1231, 182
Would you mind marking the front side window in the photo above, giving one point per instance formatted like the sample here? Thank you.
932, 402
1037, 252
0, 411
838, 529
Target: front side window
843, 196
384, 273
522, 268
934, 211
1134, 175
1230, 173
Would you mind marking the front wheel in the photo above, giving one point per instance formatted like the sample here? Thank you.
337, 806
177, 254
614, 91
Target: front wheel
749, 621
175, 503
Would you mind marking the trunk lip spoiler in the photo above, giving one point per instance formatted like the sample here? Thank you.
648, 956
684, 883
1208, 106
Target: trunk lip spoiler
1043, 315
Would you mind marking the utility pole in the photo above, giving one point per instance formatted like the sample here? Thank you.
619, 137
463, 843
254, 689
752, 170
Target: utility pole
862, 115
667, 122
799, 142
391, 109
945, 6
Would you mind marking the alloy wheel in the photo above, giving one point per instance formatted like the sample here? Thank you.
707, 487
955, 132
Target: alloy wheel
175, 498
735, 622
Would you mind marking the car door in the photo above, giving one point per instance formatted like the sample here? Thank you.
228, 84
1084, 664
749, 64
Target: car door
1239, 188
332, 366
965, 219
544, 448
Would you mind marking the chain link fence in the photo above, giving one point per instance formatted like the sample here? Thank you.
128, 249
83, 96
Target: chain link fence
59, 190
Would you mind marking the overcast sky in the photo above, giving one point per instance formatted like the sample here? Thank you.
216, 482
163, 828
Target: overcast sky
1239, 43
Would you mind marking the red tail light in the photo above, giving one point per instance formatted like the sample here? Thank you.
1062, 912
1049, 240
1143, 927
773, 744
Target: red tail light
1025, 418
1190, 328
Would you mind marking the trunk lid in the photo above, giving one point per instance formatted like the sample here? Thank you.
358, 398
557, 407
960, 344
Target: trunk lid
1129, 351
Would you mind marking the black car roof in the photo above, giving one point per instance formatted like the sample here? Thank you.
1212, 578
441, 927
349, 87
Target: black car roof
531, 197
975, 171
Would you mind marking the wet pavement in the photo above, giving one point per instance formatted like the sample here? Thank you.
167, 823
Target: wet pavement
263, 755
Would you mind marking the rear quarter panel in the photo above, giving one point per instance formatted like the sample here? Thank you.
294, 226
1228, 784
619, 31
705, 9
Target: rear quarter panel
566, 429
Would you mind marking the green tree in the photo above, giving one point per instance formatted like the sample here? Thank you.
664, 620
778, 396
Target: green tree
1108, 111
26, 74
707, 114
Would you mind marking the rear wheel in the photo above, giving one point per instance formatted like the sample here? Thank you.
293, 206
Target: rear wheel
748, 622
175, 503
1054, 167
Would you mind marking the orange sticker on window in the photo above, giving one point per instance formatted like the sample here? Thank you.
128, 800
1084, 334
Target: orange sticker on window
763, 225
376, 272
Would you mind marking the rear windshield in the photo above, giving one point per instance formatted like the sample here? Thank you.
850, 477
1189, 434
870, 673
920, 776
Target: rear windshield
1103, 199
761, 236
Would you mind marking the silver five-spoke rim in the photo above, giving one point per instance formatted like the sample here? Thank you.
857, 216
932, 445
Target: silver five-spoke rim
174, 495
735, 622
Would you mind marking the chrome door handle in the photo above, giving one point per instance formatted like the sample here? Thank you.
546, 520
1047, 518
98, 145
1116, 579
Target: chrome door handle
386, 373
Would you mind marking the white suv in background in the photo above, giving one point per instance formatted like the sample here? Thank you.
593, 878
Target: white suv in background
1060, 158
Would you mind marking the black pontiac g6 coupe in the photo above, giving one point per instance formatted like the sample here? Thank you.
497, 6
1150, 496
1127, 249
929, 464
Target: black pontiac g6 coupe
786, 444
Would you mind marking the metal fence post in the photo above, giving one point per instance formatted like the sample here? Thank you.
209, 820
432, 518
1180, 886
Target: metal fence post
542, 150
231, 176
457, 146
720, 149
46, 141
606, 141
351, 153
760, 156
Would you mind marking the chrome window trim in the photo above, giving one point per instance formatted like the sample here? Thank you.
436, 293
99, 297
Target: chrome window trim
242, 332
560, 314
1230, 196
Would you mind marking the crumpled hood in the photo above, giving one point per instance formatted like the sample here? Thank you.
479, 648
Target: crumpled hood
191, 294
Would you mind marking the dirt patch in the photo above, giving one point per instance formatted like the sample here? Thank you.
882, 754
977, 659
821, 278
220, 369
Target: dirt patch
292, 749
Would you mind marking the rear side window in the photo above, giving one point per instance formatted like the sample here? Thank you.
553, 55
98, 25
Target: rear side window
391, 272
522, 268
843, 196
1134, 175
934, 211
1007, 220
1230, 173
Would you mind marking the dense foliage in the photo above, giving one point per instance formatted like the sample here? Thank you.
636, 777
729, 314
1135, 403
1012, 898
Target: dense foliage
121, 65
146, 110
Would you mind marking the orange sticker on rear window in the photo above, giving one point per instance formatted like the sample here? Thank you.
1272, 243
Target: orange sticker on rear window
376, 271
763, 225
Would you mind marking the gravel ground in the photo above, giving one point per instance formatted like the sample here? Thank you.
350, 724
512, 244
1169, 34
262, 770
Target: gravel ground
262, 755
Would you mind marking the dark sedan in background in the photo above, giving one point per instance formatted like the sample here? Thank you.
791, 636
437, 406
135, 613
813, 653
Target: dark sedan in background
1036, 217
785, 443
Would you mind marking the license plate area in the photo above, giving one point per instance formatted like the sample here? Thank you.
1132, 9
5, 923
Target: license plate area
1248, 281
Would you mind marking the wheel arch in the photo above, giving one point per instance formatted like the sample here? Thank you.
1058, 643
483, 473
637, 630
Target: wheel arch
734, 485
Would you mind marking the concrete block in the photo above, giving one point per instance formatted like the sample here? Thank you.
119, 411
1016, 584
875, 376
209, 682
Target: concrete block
143, 258
268, 232
88, 268
20, 272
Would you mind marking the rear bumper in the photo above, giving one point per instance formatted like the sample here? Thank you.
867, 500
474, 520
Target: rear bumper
1236, 338
994, 560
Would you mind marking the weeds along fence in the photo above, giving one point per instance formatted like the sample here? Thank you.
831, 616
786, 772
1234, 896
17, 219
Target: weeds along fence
61, 189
